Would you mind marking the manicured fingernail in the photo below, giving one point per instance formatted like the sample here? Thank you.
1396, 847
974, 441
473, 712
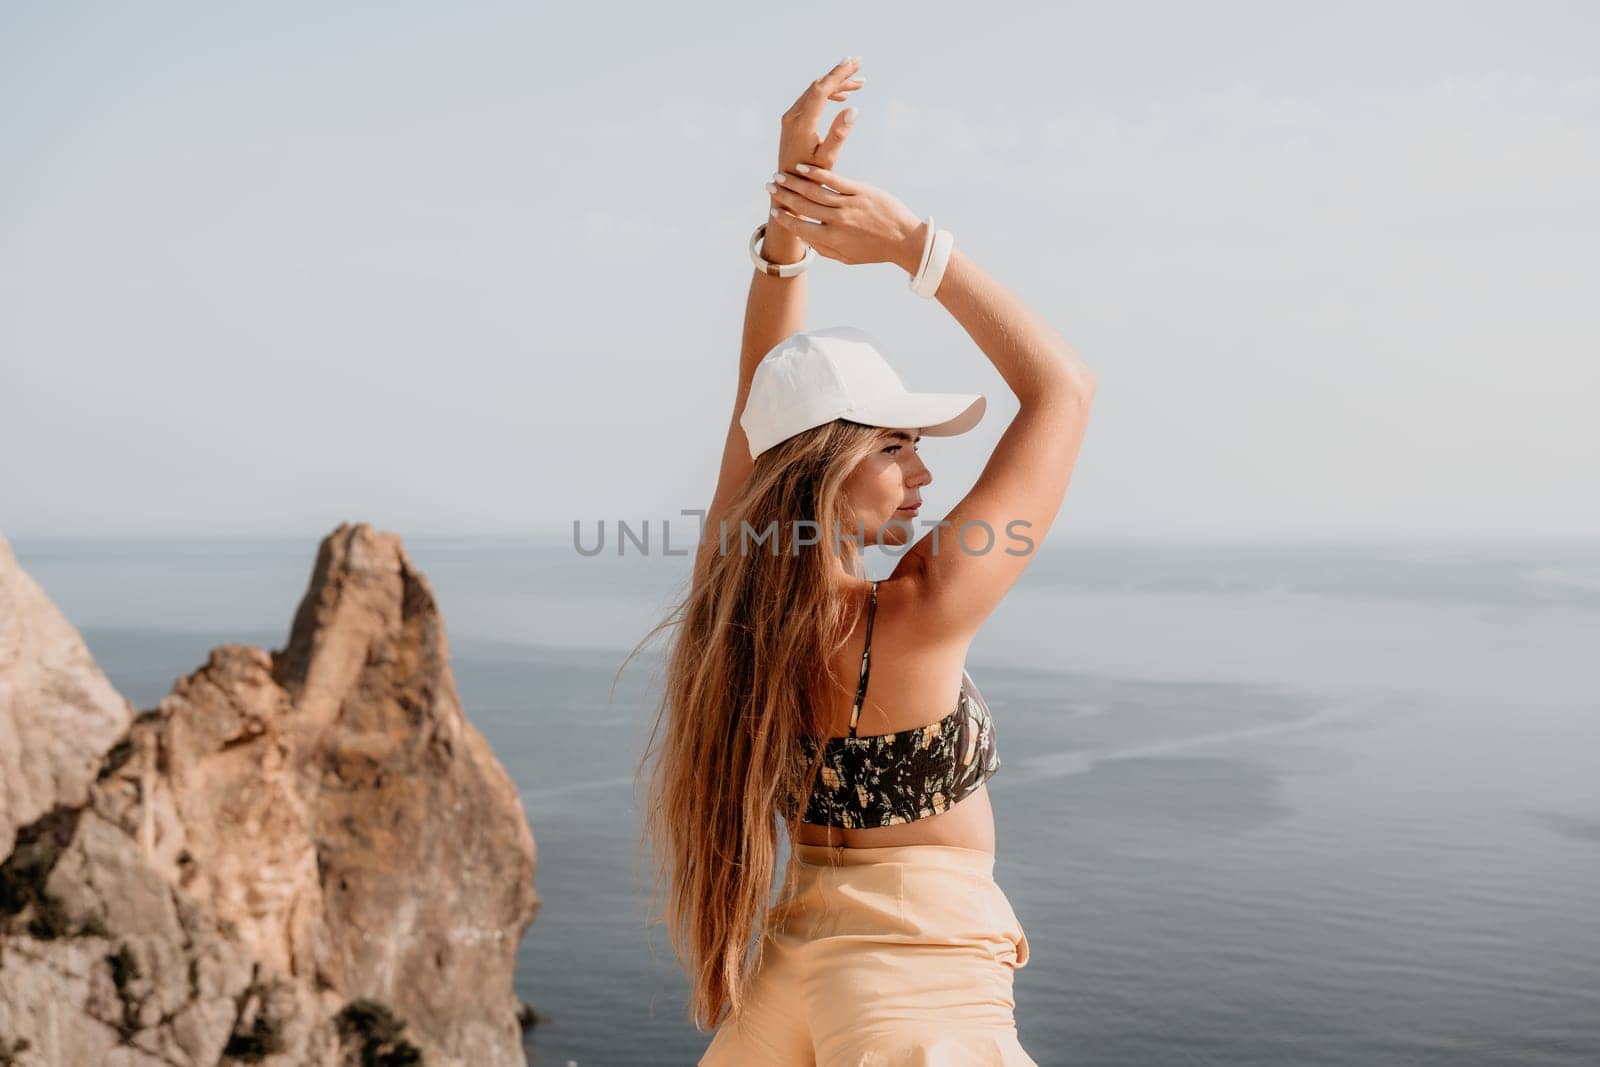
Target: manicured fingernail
773, 213
803, 168
770, 187
849, 114
781, 178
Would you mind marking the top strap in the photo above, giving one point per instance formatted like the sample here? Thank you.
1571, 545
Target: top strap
866, 661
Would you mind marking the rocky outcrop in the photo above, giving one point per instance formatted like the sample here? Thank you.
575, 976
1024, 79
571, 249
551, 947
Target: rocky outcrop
305, 856
58, 712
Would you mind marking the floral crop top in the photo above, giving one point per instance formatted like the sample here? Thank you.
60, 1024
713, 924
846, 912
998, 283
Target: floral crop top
885, 779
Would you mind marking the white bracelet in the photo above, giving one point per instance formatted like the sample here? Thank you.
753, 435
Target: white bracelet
926, 283
927, 246
779, 270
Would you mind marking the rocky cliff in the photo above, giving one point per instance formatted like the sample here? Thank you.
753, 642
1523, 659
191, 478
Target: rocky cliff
303, 856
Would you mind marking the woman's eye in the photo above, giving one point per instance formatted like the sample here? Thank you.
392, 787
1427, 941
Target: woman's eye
894, 448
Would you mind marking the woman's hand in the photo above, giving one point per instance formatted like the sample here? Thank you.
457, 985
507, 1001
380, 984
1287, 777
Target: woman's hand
855, 222
798, 142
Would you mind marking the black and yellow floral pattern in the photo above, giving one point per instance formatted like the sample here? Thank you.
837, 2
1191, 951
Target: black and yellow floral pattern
887, 779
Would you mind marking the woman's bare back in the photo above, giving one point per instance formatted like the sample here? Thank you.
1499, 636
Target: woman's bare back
912, 683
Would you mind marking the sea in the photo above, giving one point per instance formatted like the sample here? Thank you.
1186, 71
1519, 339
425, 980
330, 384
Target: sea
1331, 803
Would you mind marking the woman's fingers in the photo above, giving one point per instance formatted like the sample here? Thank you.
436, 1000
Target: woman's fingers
826, 87
844, 91
837, 79
805, 187
824, 176
809, 232
801, 205
788, 220
843, 123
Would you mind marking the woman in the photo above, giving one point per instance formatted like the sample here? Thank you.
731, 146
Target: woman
890, 941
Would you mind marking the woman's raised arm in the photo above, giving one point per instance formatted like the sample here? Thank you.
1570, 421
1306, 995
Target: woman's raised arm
966, 565
776, 307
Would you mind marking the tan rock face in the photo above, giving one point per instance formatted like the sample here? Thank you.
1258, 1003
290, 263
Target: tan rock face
58, 712
329, 812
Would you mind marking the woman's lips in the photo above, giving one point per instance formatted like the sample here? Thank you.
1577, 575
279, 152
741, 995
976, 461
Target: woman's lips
912, 510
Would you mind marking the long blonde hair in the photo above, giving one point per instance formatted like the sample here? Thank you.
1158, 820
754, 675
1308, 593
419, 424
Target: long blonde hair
745, 676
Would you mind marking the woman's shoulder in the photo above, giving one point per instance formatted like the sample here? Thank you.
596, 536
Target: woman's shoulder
917, 674
907, 596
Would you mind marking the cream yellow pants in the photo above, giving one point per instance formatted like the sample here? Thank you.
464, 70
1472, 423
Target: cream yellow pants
883, 957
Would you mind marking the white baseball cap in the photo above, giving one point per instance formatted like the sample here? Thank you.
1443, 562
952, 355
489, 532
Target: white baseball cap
839, 372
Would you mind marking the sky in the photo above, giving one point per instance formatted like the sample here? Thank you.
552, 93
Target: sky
480, 268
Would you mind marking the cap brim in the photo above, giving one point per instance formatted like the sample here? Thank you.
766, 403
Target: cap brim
932, 414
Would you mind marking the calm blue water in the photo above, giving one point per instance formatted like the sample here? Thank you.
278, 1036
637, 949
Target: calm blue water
1259, 805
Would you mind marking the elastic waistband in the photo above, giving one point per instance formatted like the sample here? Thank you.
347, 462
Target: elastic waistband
951, 857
